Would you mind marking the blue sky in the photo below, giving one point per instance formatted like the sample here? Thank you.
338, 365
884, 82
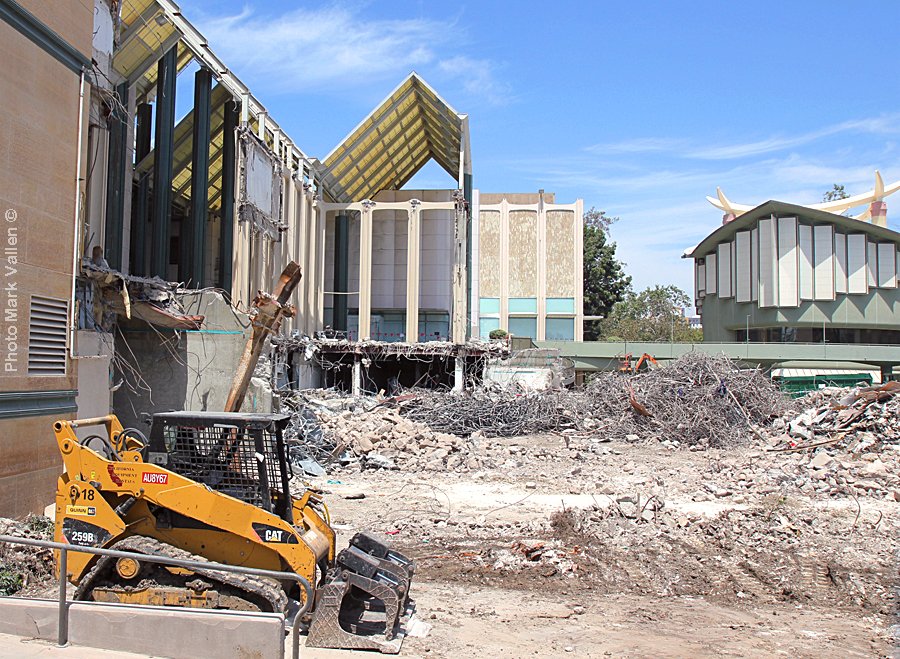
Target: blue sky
641, 109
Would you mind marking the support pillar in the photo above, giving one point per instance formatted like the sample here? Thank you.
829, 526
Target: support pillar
140, 214
887, 373
161, 212
229, 165
413, 256
459, 372
196, 248
365, 271
459, 306
115, 178
356, 380
341, 270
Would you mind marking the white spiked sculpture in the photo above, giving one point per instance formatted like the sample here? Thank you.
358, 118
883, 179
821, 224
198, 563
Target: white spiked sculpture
838, 206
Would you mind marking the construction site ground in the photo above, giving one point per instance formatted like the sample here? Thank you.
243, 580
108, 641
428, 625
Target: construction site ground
550, 556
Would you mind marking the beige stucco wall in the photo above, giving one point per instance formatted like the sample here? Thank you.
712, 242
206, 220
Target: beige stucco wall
489, 262
560, 254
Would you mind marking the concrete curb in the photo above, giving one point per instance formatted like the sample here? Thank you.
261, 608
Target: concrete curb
163, 632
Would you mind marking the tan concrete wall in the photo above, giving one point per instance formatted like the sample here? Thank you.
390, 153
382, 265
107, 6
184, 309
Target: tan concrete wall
488, 198
39, 100
489, 253
523, 250
560, 254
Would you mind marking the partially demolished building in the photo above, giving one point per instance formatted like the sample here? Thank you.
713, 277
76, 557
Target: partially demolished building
399, 286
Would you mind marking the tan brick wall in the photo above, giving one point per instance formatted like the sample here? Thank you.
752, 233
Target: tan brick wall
31, 464
39, 99
72, 20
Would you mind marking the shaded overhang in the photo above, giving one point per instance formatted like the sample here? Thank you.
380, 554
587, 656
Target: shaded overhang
409, 128
780, 209
148, 29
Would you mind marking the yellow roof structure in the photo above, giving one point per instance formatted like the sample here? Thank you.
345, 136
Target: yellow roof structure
409, 128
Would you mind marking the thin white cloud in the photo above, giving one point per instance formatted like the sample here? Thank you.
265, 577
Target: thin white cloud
639, 145
330, 47
336, 48
478, 78
885, 124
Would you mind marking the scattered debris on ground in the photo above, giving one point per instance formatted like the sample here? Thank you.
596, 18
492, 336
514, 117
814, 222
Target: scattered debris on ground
22, 568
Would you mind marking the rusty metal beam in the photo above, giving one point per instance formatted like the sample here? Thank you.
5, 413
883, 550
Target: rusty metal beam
270, 309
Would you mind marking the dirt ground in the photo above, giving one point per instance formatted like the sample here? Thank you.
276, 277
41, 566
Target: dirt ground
617, 552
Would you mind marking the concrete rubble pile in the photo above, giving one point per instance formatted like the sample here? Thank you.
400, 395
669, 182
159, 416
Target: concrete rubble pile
23, 568
839, 443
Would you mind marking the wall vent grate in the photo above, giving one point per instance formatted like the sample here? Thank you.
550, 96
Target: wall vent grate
47, 336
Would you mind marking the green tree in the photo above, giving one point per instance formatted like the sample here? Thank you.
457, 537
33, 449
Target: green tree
835, 194
605, 281
654, 314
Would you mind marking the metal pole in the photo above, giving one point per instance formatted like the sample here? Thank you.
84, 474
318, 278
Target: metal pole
63, 624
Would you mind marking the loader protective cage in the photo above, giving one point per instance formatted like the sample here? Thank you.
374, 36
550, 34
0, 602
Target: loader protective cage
241, 455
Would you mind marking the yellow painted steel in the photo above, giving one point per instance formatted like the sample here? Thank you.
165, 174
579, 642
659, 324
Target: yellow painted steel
92, 486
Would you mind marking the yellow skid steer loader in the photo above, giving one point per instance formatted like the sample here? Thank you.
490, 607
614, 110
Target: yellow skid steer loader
215, 486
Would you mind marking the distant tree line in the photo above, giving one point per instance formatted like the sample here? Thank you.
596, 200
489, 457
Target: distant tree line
654, 314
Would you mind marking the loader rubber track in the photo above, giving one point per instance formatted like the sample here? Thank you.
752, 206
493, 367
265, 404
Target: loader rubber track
258, 587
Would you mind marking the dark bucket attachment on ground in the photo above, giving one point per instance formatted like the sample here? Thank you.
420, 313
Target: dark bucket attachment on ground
364, 604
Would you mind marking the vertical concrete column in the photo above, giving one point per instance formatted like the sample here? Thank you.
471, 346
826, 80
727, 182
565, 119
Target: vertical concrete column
504, 265
229, 169
542, 268
164, 146
413, 258
303, 222
579, 270
459, 371
140, 215
312, 279
196, 263
356, 379
320, 270
115, 178
459, 306
365, 270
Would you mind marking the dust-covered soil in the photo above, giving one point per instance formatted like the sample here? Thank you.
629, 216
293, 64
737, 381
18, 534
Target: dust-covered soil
635, 550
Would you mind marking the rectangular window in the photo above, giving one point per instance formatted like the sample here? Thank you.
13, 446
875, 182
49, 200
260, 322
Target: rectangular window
768, 264
806, 262
522, 305
487, 325
725, 270
788, 290
754, 265
711, 273
840, 263
699, 278
560, 305
872, 265
887, 264
857, 281
560, 329
489, 305
742, 266
523, 326
47, 336
823, 236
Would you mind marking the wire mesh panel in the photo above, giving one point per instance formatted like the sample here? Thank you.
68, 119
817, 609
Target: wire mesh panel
240, 457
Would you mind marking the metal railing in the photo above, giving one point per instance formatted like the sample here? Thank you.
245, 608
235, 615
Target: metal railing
64, 549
